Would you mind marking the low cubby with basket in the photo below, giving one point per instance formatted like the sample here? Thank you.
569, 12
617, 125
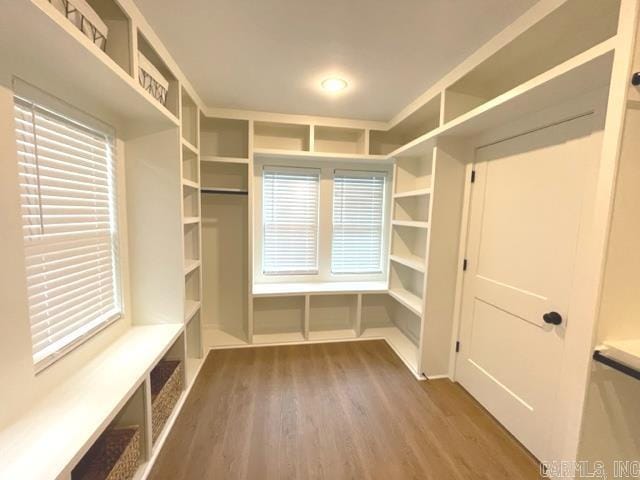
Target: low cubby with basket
167, 381
114, 456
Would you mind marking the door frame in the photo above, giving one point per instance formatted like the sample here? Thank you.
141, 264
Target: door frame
589, 266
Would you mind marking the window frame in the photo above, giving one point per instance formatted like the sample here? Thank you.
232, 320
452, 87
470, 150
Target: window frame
327, 170
24, 92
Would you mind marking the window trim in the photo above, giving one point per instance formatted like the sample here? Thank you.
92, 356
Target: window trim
50, 106
327, 169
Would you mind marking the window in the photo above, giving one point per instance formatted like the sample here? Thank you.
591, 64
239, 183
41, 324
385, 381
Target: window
324, 222
358, 222
290, 221
68, 198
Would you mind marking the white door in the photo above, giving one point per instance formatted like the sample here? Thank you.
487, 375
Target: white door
526, 207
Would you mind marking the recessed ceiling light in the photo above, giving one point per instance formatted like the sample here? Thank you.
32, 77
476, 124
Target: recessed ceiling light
333, 84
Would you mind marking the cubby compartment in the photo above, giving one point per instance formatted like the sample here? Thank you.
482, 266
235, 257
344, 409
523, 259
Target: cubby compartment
278, 319
190, 201
222, 138
119, 31
192, 288
406, 286
338, 140
281, 136
572, 28
191, 243
194, 352
409, 246
418, 123
225, 264
413, 174
411, 208
384, 317
190, 168
121, 449
189, 119
222, 176
172, 101
167, 381
332, 316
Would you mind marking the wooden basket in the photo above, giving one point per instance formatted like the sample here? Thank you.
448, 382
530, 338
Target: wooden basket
114, 456
166, 387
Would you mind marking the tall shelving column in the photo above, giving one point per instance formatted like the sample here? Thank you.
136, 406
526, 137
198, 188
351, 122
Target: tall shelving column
192, 231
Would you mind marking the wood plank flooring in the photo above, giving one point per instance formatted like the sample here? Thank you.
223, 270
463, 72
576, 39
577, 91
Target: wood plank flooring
332, 411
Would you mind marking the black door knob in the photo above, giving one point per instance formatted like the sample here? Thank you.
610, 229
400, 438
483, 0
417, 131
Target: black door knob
553, 318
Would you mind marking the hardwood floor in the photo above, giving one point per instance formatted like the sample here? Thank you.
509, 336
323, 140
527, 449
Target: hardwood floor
332, 411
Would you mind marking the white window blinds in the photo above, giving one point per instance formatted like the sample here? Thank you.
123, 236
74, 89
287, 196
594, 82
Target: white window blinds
69, 225
290, 221
358, 222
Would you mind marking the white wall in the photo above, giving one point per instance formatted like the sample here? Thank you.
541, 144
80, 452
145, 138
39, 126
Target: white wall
21, 387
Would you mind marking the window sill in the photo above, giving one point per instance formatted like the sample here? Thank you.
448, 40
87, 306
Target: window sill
284, 289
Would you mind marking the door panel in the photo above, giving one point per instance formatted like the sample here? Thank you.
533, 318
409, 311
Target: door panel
524, 224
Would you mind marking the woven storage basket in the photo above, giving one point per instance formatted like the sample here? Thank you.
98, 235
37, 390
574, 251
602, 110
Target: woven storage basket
166, 386
114, 456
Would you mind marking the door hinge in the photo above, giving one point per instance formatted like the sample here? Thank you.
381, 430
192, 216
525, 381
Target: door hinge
457, 346
473, 176
465, 264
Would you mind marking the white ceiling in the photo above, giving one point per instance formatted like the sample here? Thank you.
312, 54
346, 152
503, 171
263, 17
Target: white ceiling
270, 55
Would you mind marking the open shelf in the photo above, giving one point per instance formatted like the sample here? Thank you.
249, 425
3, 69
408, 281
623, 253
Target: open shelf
190, 167
574, 27
217, 159
319, 156
422, 192
281, 136
409, 243
406, 285
412, 208
423, 120
224, 176
413, 262
332, 315
173, 93
214, 337
414, 173
190, 265
584, 73
278, 319
399, 342
222, 137
192, 287
410, 224
191, 220
190, 200
194, 353
285, 289
339, 140
191, 243
189, 119
191, 307
76, 70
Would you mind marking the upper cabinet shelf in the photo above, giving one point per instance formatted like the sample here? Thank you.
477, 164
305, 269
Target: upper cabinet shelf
573, 28
77, 70
223, 138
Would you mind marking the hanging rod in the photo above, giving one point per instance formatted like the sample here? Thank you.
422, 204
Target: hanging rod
621, 367
224, 191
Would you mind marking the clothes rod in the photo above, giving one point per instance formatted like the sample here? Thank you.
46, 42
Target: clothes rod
621, 367
223, 191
